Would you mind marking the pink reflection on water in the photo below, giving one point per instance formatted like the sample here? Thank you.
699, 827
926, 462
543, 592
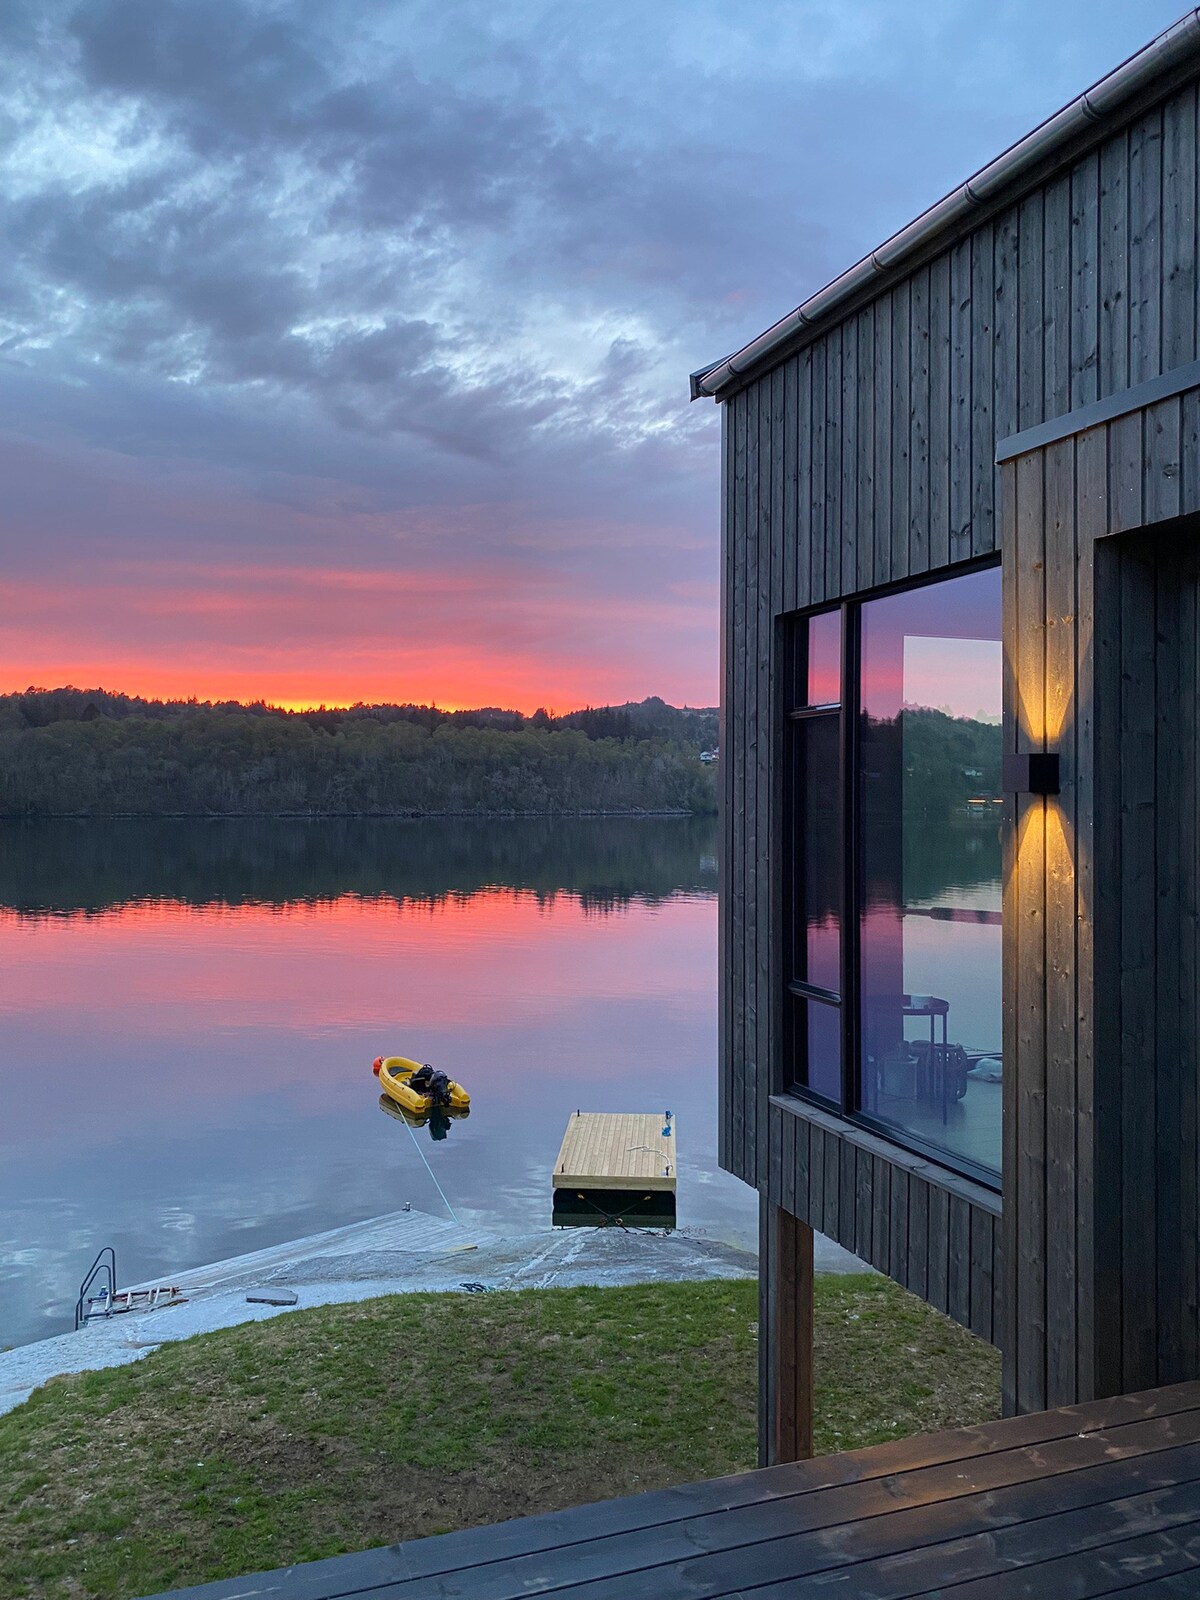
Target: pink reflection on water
157, 1008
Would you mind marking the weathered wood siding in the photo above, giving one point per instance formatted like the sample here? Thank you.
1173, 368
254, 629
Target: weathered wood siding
867, 457
1103, 951
934, 1232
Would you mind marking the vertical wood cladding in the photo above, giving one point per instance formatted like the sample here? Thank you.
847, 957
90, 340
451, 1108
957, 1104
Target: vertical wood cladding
1102, 953
866, 458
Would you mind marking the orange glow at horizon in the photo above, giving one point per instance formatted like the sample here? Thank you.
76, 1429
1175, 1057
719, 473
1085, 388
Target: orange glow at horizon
304, 638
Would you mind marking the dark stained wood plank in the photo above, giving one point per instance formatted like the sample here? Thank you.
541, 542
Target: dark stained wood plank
1113, 348
898, 515
1190, 452
775, 1156
993, 302
833, 1187
883, 479
881, 1214
983, 1275
1061, 921
768, 1285
848, 405
1179, 185
1163, 460
1029, 645
959, 1284
1091, 478
768, 770
917, 1277
1126, 477
803, 1204
1056, 292
961, 394
724, 906
833, 463
788, 1192
1085, 281
918, 423
1145, 247
733, 755
868, 420
1174, 1060
750, 711
816, 1179
864, 1203
818, 589
1137, 960
1031, 329
789, 530
1010, 970
802, 593
1107, 1118
940, 405
898, 1223
847, 1233
1189, 968
938, 1284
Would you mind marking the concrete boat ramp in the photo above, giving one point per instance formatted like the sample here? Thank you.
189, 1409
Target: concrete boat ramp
397, 1254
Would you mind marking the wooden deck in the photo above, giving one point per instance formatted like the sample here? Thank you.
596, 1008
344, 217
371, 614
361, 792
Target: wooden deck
1099, 1499
604, 1150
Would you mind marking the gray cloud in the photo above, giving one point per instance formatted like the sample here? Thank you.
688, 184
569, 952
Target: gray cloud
456, 260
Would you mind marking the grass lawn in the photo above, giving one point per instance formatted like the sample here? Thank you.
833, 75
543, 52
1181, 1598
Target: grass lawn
337, 1428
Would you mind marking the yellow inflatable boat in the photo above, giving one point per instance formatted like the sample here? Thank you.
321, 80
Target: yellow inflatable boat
418, 1088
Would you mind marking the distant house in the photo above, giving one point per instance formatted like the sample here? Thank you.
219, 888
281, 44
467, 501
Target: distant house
961, 508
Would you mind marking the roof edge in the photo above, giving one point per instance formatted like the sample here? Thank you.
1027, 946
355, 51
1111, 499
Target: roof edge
1094, 105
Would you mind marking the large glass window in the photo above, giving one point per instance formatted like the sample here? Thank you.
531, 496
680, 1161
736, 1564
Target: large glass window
814, 1025
929, 906
898, 813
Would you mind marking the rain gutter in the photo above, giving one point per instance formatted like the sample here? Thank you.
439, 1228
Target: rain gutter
1095, 105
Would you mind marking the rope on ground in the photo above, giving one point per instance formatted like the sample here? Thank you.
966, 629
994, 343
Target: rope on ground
429, 1170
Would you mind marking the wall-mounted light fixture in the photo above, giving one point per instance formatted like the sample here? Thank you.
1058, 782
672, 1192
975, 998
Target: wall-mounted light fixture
1036, 773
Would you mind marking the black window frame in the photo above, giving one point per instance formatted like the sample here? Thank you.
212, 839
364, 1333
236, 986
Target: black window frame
793, 643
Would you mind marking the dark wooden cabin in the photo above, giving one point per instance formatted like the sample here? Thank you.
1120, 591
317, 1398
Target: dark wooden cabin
959, 1013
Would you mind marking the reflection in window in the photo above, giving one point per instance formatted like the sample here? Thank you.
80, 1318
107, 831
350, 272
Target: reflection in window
930, 899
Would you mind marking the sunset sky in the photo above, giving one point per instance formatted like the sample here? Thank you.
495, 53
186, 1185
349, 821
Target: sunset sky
344, 343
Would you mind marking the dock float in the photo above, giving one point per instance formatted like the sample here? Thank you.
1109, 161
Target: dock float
616, 1168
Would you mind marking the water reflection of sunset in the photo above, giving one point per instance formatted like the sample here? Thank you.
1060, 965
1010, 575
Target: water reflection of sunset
190, 1055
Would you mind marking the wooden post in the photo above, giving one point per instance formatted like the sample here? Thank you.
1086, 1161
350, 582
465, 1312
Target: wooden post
786, 1336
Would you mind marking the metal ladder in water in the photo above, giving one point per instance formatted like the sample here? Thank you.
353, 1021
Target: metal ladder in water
105, 1265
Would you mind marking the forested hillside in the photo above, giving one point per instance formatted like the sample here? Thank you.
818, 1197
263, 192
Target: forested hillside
72, 752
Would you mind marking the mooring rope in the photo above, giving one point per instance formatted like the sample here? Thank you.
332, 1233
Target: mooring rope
429, 1169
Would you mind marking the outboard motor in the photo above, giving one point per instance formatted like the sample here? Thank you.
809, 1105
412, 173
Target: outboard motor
428, 1081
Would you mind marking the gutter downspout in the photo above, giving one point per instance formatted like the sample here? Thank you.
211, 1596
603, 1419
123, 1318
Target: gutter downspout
1093, 106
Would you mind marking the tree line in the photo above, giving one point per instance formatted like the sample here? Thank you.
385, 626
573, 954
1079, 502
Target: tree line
73, 752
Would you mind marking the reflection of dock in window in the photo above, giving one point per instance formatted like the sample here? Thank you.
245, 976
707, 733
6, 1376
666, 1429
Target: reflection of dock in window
930, 898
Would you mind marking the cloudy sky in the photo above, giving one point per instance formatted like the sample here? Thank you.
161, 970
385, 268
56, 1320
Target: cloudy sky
343, 343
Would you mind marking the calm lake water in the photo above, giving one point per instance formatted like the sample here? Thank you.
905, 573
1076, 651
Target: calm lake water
190, 1010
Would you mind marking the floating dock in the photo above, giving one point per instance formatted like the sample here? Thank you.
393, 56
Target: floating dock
616, 1167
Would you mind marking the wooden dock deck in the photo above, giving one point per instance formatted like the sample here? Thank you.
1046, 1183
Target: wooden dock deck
1090, 1500
610, 1150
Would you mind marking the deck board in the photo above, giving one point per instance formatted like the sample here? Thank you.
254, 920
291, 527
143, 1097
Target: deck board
1101, 1498
616, 1150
